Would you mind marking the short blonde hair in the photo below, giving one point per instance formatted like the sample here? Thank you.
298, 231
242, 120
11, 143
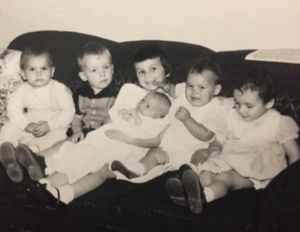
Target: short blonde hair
92, 48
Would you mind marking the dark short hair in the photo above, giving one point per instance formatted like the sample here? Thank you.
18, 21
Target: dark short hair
36, 50
91, 48
152, 52
206, 64
260, 81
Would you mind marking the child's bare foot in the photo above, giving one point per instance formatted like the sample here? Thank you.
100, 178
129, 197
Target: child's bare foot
27, 160
176, 192
193, 190
9, 161
120, 167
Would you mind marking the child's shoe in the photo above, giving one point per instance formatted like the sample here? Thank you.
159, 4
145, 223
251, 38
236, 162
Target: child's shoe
194, 191
120, 167
176, 191
9, 161
27, 160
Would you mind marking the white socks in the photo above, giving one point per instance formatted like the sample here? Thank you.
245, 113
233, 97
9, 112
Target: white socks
64, 193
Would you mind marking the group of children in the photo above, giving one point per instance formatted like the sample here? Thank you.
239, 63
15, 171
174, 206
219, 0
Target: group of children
218, 144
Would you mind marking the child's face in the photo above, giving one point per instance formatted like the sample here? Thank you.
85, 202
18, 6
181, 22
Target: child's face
150, 71
37, 70
249, 105
97, 70
201, 88
152, 107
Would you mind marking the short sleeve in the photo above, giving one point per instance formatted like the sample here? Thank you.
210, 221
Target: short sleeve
288, 129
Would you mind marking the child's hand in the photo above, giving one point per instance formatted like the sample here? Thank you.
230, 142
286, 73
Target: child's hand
182, 114
30, 127
125, 114
41, 129
163, 85
118, 135
77, 136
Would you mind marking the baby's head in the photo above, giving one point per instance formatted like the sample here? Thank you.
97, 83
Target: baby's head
154, 105
151, 65
96, 67
254, 95
37, 66
202, 82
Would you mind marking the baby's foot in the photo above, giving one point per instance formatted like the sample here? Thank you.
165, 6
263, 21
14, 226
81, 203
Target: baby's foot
194, 191
176, 192
9, 161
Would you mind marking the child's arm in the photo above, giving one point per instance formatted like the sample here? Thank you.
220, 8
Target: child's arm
77, 133
292, 150
198, 130
125, 138
66, 105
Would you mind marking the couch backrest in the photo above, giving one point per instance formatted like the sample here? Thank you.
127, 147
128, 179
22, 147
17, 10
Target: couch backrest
66, 45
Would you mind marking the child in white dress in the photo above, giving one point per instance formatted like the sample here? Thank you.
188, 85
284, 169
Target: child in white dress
39, 111
258, 144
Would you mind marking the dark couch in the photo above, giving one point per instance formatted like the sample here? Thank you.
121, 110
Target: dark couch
122, 206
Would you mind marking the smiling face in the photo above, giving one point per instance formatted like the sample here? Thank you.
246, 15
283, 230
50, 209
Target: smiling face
201, 87
37, 70
150, 71
97, 70
249, 105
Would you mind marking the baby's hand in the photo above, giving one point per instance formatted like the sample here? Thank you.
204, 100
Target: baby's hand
30, 127
77, 136
118, 135
166, 87
182, 114
41, 129
125, 114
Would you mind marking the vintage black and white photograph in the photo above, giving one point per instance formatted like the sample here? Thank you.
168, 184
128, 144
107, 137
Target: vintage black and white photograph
144, 116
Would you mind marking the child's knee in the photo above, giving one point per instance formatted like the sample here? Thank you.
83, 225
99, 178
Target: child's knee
200, 156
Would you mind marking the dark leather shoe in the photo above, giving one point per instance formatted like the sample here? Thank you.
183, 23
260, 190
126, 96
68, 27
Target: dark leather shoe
9, 162
194, 190
120, 167
27, 159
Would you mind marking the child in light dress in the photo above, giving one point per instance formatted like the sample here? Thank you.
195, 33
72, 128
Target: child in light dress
39, 111
195, 118
258, 144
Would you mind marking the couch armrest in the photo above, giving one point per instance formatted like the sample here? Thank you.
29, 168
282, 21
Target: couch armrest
279, 207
